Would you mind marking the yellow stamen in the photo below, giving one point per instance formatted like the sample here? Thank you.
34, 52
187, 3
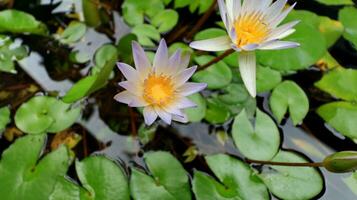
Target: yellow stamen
250, 29
158, 89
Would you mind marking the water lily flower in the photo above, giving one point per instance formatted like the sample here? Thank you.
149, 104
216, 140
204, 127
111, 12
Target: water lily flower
251, 26
161, 88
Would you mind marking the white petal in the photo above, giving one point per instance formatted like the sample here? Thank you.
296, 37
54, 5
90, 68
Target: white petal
172, 109
191, 88
129, 73
138, 102
224, 15
237, 8
216, 44
185, 60
130, 86
250, 47
275, 9
281, 17
141, 61
184, 102
279, 31
275, 45
184, 76
161, 59
247, 68
165, 116
265, 4
124, 97
174, 63
286, 34
182, 119
149, 115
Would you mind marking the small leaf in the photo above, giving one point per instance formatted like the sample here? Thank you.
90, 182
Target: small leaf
74, 32
169, 179
216, 76
4, 118
336, 2
288, 182
267, 79
91, 13
341, 116
216, 112
238, 181
147, 134
260, 142
146, 34
197, 113
288, 95
15, 21
331, 29
340, 83
165, 20
124, 48
341, 162
347, 17
209, 34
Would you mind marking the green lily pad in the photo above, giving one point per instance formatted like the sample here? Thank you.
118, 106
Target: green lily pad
15, 21
65, 190
347, 17
260, 142
165, 20
340, 83
43, 114
351, 182
9, 54
197, 113
234, 94
79, 57
312, 46
134, 11
209, 34
341, 116
104, 54
27, 178
288, 95
74, 32
331, 29
216, 76
169, 180
287, 182
216, 112
4, 118
336, 2
125, 49
267, 79
238, 181
146, 34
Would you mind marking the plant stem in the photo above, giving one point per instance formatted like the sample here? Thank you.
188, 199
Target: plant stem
217, 59
201, 21
318, 164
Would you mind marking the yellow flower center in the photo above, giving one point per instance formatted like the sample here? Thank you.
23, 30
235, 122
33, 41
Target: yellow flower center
250, 28
158, 90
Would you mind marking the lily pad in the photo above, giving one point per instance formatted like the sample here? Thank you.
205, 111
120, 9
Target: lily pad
165, 20
331, 29
197, 113
4, 117
267, 79
74, 32
336, 2
27, 178
209, 34
340, 83
287, 182
347, 17
43, 114
146, 34
260, 142
238, 181
169, 180
341, 116
216, 76
216, 112
288, 95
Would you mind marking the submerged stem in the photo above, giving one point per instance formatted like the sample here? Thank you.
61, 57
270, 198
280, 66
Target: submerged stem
217, 59
318, 164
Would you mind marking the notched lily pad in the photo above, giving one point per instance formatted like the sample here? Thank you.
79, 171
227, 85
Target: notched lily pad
4, 117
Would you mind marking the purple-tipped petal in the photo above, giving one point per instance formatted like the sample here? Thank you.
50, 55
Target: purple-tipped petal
250, 47
191, 88
281, 30
141, 61
161, 59
275, 9
224, 15
174, 62
184, 76
172, 109
165, 116
178, 118
129, 73
130, 86
138, 102
149, 115
279, 45
124, 97
184, 102
247, 68
185, 60
215, 44
276, 21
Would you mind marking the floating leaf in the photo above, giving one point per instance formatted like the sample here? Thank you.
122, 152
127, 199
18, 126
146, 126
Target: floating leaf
43, 114
146, 34
197, 113
169, 179
331, 29
27, 178
15, 21
147, 134
216, 112
267, 79
341, 116
165, 20
347, 17
288, 182
216, 76
91, 13
209, 34
238, 181
336, 2
340, 83
312, 46
260, 142
124, 48
74, 32
134, 11
351, 182
65, 190
104, 54
9, 54
288, 95
4, 118
79, 57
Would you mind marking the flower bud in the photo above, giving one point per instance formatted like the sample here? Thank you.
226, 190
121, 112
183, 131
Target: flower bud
341, 162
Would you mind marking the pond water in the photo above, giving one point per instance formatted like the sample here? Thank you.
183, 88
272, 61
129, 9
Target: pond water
313, 138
